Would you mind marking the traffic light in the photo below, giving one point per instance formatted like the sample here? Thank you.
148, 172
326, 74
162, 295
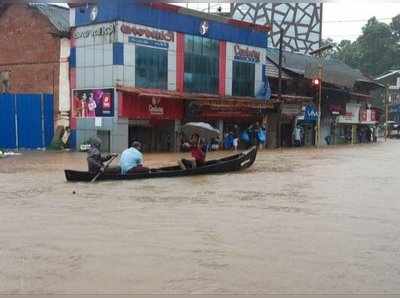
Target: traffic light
315, 82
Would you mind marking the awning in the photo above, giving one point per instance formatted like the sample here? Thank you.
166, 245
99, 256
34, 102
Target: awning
203, 99
286, 98
334, 72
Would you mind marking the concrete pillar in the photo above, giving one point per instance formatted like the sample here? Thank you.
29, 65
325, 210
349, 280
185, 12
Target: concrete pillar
353, 134
176, 138
221, 129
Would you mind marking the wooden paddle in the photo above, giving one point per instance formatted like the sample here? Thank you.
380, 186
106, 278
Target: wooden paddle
105, 167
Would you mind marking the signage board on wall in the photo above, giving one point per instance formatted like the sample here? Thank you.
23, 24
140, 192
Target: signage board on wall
246, 54
290, 109
93, 103
148, 42
352, 114
310, 113
155, 107
134, 107
367, 116
149, 33
94, 31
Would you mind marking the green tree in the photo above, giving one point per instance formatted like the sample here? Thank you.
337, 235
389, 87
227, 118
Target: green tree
375, 51
395, 26
378, 48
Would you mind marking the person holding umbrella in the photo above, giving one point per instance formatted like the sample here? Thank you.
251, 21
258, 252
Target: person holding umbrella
196, 150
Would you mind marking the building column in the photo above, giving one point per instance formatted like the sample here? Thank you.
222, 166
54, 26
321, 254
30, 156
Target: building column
180, 61
176, 138
221, 129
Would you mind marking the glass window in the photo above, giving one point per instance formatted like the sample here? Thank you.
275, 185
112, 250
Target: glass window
201, 64
243, 78
151, 70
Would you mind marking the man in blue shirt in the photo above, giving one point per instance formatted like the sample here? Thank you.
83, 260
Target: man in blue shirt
132, 158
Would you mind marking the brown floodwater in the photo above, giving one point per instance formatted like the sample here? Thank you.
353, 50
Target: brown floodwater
299, 221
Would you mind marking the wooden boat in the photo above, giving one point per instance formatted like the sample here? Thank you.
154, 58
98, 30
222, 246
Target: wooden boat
228, 164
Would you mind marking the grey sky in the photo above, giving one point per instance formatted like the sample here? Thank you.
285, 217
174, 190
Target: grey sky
350, 11
342, 19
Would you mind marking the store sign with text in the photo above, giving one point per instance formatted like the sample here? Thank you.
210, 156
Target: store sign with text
310, 113
148, 36
246, 54
155, 108
137, 107
290, 109
94, 31
352, 114
367, 116
90, 103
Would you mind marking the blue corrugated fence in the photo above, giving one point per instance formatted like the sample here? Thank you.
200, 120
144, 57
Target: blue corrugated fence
26, 121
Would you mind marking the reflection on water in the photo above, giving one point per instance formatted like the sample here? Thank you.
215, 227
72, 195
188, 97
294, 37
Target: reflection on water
298, 221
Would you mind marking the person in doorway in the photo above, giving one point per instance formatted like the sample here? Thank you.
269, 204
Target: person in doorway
94, 158
197, 152
132, 159
262, 137
254, 134
297, 136
236, 135
376, 133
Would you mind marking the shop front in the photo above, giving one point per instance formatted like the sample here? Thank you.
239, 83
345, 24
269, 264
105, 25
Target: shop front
298, 123
152, 119
228, 115
347, 125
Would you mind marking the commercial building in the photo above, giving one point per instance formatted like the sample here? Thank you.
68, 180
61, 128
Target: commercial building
346, 110
34, 47
138, 71
299, 23
391, 79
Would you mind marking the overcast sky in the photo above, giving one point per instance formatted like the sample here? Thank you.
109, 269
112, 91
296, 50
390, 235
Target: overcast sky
342, 19
354, 15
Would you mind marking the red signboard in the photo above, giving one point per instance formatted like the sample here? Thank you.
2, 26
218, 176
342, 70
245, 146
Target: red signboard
134, 107
368, 116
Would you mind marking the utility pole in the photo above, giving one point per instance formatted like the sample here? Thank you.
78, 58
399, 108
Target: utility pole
280, 66
320, 77
280, 86
319, 105
386, 112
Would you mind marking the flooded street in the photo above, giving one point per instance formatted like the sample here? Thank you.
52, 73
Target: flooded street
299, 221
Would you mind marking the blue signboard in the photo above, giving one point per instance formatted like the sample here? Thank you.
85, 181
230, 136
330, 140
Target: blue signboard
310, 114
148, 42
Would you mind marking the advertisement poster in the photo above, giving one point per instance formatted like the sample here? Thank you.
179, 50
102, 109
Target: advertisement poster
93, 103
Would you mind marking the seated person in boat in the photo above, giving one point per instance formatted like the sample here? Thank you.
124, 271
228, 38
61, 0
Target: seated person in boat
132, 159
198, 153
94, 158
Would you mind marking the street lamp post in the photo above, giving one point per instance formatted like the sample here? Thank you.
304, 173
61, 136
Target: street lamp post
386, 112
319, 107
320, 77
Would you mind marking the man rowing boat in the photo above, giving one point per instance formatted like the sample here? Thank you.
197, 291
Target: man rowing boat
94, 158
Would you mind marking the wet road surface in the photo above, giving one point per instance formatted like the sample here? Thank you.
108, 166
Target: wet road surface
299, 221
